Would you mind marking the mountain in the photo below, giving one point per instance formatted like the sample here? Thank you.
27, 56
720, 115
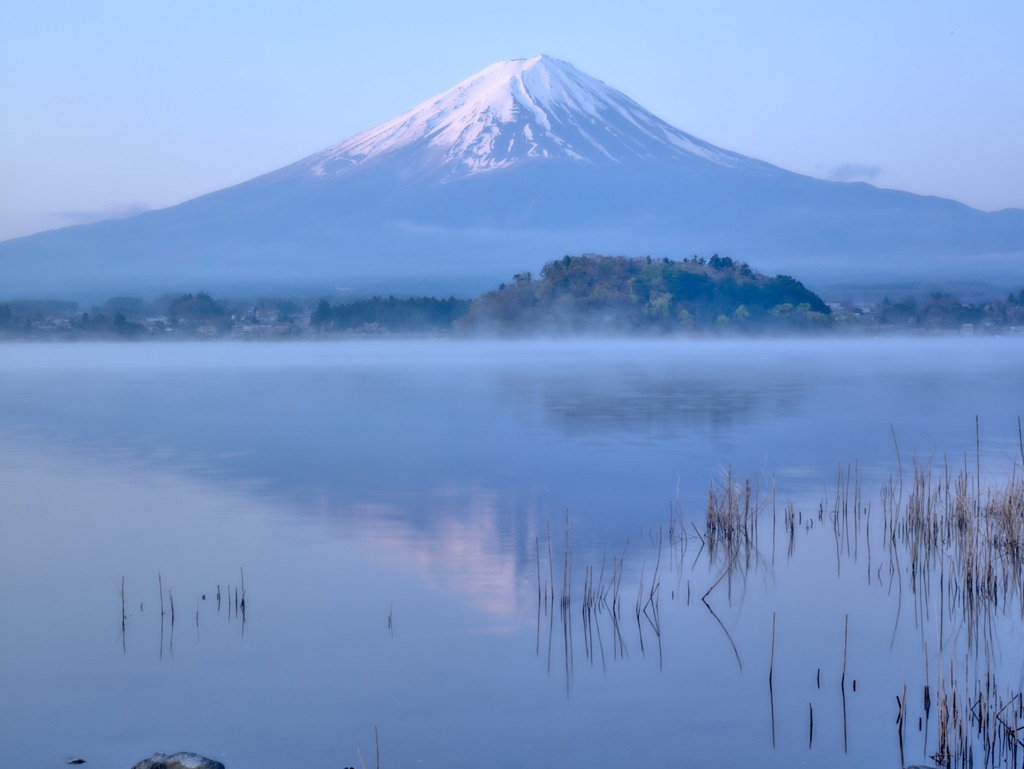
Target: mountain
526, 161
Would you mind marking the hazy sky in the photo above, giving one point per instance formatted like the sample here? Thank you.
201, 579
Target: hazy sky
109, 107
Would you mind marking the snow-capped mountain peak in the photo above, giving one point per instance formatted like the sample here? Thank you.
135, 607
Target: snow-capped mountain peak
514, 111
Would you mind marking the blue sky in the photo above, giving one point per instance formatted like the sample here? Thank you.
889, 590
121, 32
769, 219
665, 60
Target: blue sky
110, 107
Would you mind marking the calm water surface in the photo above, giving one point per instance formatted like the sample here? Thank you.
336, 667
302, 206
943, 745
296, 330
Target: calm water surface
414, 480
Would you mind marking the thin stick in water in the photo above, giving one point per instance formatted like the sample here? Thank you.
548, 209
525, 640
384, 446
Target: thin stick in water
810, 734
846, 625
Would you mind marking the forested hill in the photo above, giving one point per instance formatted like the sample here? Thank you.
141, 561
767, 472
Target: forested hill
605, 293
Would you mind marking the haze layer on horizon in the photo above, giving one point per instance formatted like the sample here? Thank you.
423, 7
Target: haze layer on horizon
115, 107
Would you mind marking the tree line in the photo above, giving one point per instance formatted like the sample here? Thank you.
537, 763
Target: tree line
575, 294
946, 312
418, 314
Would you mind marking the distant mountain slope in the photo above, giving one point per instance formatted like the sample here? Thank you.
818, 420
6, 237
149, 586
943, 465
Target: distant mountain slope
526, 161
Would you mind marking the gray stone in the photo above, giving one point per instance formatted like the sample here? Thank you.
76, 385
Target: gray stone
178, 761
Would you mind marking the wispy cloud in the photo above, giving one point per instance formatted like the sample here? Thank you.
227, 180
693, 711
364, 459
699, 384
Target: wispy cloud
851, 172
110, 212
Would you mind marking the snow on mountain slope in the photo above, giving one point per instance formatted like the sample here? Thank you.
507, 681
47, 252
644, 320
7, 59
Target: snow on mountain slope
513, 111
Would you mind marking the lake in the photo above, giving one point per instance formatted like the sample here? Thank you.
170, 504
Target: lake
391, 505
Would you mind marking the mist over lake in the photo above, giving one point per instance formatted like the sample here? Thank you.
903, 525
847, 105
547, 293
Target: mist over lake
389, 505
